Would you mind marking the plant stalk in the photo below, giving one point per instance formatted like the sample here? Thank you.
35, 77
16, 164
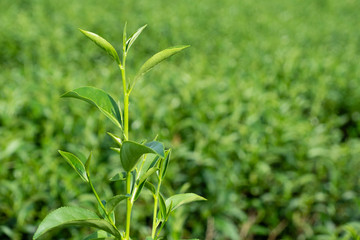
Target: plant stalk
126, 135
128, 206
156, 199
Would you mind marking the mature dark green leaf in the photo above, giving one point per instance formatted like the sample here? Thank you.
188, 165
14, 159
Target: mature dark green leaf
71, 216
133, 37
150, 186
114, 201
183, 198
165, 164
76, 163
101, 42
99, 235
119, 177
100, 99
158, 147
158, 58
131, 152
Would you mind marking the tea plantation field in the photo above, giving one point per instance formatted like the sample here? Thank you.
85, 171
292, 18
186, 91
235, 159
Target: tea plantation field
262, 113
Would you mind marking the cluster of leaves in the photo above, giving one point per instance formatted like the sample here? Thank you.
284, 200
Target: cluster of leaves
136, 163
266, 126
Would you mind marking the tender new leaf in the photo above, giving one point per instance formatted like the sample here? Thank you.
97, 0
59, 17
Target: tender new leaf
101, 42
158, 58
100, 99
181, 199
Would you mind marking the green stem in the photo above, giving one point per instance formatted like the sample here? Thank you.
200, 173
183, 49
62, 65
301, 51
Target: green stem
126, 115
126, 135
156, 198
101, 204
128, 206
126, 98
161, 227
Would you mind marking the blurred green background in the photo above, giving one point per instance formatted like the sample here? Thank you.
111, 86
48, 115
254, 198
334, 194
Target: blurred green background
262, 113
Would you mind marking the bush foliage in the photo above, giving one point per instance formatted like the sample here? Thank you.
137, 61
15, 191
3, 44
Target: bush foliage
262, 112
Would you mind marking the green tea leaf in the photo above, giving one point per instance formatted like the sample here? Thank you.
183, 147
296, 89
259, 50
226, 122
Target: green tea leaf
150, 186
115, 138
74, 216
102, 212
158, 147
99, 235
101, 42
181, 199
124, 36
158, 58
87, 165
114, 201
131, 152
119, 177
148, 174
138, 190
165, 164
115, 149
133, 37
75, 163
100, 99
162, 206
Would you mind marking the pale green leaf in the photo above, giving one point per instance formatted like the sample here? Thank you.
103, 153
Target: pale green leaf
75, 163
139, 189
181, 199
119, 177
124, 36
150, 186
99, 235
148, 174
133, 37
115, 138
158, 58
101, 42
115, 149
165, 164
114, 201
100, 99
74, 216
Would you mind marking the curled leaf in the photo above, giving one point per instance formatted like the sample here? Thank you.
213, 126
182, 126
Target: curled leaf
75, 163
100, 99
133, 37
101, 42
